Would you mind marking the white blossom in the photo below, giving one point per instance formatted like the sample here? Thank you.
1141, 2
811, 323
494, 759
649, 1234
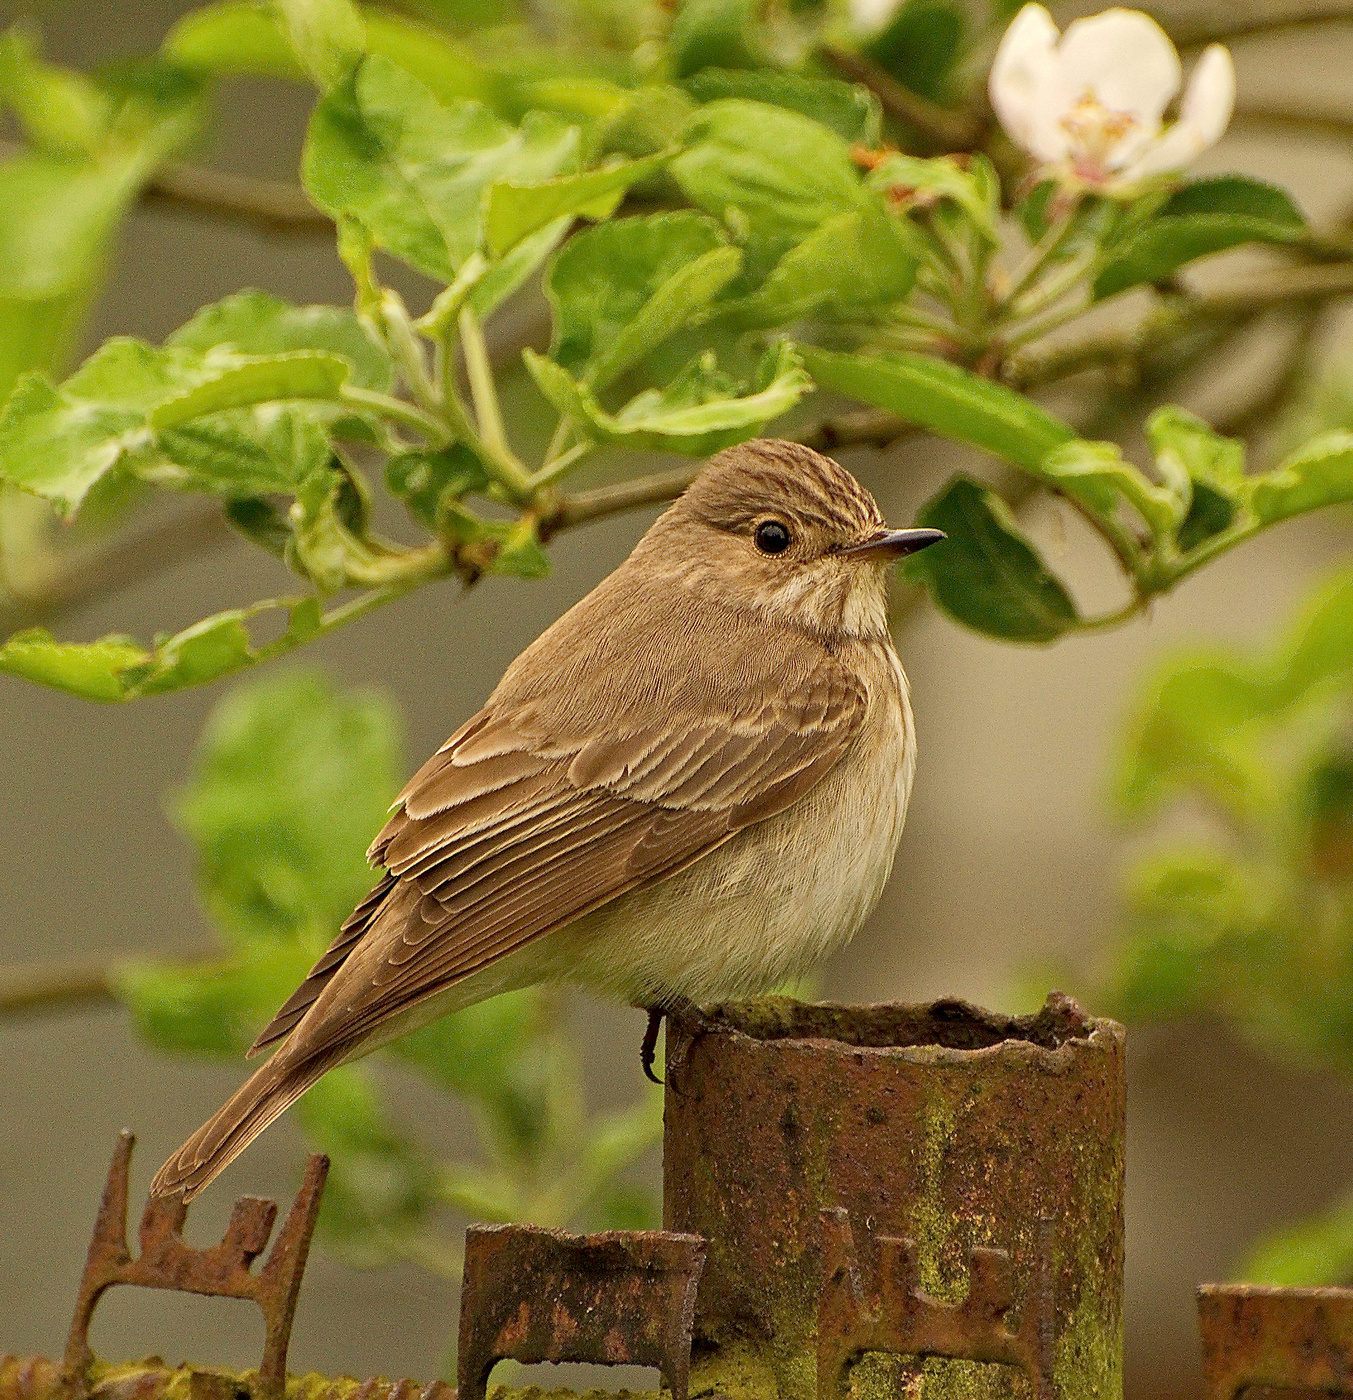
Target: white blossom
1088, 104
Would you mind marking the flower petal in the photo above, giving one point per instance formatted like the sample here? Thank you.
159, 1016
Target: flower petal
1126, 61
1210, 97
1204, 113
868, 17
1024, 85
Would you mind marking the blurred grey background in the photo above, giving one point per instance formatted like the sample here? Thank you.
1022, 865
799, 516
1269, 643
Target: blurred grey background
1009, 859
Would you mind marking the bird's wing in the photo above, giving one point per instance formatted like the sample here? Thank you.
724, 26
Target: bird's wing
524, 822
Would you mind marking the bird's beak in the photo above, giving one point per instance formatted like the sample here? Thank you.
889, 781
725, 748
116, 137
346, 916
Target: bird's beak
895, 544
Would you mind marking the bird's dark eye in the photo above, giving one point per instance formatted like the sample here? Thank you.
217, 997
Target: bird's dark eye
772, 537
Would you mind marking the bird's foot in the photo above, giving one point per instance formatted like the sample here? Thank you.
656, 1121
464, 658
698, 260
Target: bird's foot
675, 1006
648, 1048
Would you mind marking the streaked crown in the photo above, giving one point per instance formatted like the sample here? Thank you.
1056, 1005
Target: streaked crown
743, 484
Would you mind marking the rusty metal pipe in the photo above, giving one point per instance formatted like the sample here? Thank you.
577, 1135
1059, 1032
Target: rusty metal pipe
896, 1188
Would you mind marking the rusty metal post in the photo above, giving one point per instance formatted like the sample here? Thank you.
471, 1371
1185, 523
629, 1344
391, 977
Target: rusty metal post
929, 1181
615, 1298
1297, 1339
224, 1270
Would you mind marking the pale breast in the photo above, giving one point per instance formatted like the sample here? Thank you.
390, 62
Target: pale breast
775, 899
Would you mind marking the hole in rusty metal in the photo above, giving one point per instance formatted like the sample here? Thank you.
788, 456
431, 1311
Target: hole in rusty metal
581, 1377
951, 1024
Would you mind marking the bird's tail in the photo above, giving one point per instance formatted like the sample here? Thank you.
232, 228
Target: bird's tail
264, 1096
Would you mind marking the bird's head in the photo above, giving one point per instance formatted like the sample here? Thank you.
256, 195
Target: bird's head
776, 527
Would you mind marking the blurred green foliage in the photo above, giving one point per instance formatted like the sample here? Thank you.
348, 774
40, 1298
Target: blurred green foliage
1252, 923
290, 781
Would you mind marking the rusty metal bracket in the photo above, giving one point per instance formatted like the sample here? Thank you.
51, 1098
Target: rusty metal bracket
222, 1271
888, 1312
621, 1296
1299, 1338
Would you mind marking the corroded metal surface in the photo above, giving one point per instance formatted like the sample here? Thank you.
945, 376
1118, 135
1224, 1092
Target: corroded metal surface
885, 1310
225, 1270
945, 1125
1298, 1338
36, 1378
621, 1296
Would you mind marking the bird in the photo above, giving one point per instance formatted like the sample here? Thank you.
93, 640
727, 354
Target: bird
689, 788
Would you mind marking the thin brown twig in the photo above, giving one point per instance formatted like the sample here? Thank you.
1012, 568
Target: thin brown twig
947, 128
27, 991
274, 207
1229, 21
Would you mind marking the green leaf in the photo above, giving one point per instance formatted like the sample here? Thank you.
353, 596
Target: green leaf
88, 669
327, 36
713, 34
1315, 1253
512, 211
214, 1010
117, 668
245, 37
57, 218
770, 174
235, 37
650, 119
290, 780
382, 151
62, 112
1096, 474
301, 374
448, 69
380, 1188
1238, 195
430, 482
236, 456
945, 399
1193, 728
58, 441
255, 323
507, 274
1202, 218
853, 262
58, 447
910, 177
986, 574
850, 111
473, 1051
620, 288
1317, 474
698, 413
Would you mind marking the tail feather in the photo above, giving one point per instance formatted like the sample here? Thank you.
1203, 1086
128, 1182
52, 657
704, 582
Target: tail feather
257, 1102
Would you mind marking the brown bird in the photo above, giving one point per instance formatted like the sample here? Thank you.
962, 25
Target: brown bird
690, 787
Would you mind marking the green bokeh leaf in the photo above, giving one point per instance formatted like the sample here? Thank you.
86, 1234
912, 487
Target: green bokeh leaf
1205, 217
947, 400
1317, 474
290, 781
986, 574
327, 36
854, 262
850, 111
